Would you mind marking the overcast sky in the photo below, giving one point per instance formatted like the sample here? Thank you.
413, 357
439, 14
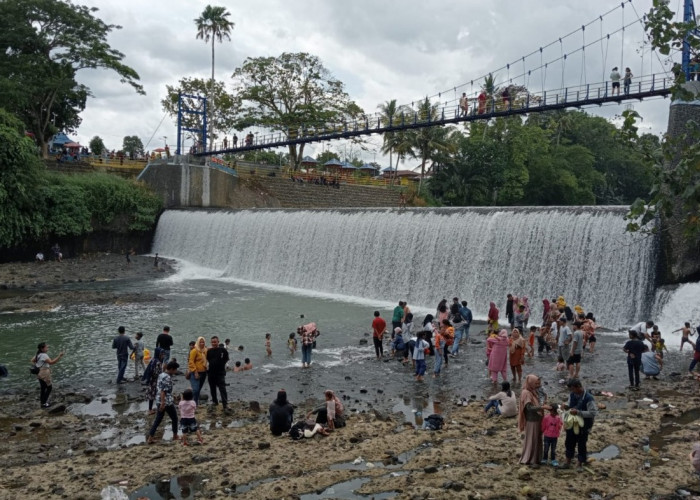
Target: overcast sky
381, 50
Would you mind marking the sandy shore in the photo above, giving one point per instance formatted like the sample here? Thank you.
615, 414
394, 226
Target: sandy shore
31, 286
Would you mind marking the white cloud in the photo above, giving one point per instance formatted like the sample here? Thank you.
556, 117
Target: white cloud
381, 49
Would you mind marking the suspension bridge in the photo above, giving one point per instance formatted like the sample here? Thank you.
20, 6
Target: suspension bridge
520, 87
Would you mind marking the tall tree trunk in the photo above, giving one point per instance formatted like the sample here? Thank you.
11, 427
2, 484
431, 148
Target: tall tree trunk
211, 96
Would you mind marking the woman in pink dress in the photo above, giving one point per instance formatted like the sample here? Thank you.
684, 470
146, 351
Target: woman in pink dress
498, 360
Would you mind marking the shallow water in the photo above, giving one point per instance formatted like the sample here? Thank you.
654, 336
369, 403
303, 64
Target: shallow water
243, 313
176, 488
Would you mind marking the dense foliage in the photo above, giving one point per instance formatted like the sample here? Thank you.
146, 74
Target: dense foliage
43, 44
675, 191
557, 158
37, 205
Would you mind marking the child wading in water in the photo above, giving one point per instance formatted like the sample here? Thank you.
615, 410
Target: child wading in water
551, 428
268, 344
188, 422
292, 344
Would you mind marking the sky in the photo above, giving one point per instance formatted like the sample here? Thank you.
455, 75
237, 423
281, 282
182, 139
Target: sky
380, 49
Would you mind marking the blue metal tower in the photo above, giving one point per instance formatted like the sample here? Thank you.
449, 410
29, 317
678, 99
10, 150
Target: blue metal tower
182, 110
688, 17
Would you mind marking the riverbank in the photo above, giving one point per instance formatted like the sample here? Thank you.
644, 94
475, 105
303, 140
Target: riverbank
644, 437
34, 286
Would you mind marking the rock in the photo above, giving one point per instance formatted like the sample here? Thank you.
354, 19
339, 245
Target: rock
201, 459
91, 450
17, 427
254, 406
263, 445
34, 424
348, 377
58, 409
363, 391
380, 415
524, 474
431, 469
363, 341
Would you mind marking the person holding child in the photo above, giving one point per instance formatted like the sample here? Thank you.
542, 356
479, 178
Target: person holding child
188, 422
332, 414
530, 420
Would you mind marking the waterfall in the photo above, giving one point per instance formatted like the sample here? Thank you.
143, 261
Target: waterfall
423, 255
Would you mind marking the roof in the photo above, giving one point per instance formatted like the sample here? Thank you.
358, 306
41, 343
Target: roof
333, 163
308, 159
367, 166
348, 166
60, 138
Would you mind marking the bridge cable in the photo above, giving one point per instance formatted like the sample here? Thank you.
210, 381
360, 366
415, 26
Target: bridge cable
622, 45
583, 57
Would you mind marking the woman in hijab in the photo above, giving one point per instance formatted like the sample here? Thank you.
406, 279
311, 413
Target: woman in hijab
493, 317
332, 414
545, 312
197, 366
498, 359
281, 414
530, 416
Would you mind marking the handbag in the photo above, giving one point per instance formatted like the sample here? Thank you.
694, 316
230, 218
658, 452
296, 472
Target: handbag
34, 370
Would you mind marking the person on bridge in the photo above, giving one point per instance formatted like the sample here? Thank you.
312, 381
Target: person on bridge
615, 78
627, 80
464, 104
235, 140
225, 142
482, 103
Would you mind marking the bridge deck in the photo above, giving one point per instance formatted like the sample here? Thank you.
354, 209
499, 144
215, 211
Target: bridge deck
572, 97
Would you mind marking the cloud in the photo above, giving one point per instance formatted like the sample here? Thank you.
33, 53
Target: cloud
381, 49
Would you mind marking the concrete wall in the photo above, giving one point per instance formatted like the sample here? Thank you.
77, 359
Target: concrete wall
680, 255
190, 185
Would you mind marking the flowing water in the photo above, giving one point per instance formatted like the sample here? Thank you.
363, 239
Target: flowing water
424, 255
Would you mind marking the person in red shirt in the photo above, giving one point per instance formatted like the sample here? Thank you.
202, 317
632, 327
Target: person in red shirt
378, 329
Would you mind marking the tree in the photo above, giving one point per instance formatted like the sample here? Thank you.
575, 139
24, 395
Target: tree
326, 156
291, 93
676, 186
43, 44
221, 108
426, 142
132, 146
213, 24
97, 145
394, 142
20, 182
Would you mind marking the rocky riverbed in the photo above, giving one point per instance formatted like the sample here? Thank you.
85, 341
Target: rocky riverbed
640, 445
33, 286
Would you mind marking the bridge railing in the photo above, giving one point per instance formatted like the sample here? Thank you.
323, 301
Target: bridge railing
450, 112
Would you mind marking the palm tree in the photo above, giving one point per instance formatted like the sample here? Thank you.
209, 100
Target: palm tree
428, 141
394, 142
213, 24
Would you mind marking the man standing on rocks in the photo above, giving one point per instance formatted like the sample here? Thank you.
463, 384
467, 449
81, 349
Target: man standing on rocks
122, 344
165, 342
581, 404
217, 357
378, 329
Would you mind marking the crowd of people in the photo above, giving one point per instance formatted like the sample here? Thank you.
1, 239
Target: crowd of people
564, 331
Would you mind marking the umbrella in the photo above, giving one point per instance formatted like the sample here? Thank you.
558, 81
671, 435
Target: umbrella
159, 150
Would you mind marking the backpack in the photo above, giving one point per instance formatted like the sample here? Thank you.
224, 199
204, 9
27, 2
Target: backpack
434, 422
297, 430
457, 318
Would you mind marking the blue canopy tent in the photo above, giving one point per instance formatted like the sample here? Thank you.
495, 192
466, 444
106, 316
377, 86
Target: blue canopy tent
58, 140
